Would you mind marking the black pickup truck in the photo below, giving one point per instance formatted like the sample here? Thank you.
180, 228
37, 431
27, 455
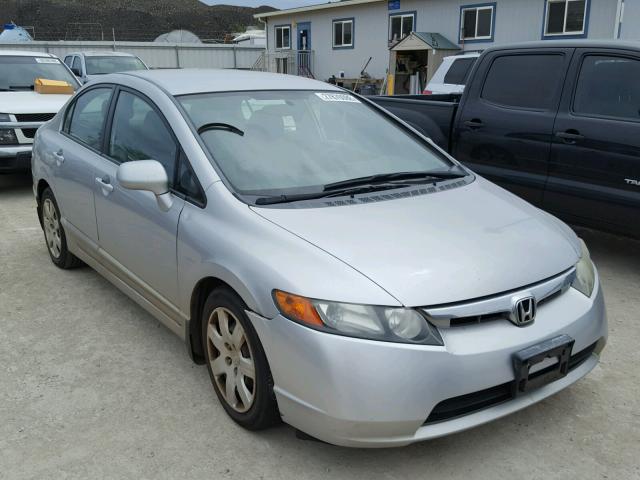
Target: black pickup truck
556, 122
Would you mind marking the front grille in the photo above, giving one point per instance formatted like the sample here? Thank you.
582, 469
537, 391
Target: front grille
476, 401
29, 132
34, 117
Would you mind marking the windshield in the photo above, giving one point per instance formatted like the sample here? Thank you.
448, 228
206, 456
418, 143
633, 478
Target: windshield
104, 65
20, 73
287, 142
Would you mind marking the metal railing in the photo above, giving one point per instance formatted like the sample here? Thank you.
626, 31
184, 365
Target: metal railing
292, 62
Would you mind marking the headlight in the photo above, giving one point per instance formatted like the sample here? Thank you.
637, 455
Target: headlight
389, 324
7, 137
4, 117
585, 273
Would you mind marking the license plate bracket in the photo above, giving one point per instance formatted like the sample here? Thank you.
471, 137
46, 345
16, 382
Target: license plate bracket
557, 347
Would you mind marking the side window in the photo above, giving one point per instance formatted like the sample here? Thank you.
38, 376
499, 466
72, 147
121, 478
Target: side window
459, 71
88, 116
608, 86
67, 60
524, 81
76, 64
139, 133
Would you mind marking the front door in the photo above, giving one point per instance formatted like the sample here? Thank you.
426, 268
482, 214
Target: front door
304, 48
138, 238
594, 174
505, 127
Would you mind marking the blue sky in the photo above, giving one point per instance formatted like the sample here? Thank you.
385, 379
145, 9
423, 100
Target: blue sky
281, 4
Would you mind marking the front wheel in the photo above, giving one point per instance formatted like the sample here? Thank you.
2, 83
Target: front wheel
236, 362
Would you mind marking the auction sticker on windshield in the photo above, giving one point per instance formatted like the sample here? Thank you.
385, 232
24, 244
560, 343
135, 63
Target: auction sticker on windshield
47, 60
337, 97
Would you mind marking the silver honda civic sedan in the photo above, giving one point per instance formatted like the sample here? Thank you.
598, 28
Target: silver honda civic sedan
331, 266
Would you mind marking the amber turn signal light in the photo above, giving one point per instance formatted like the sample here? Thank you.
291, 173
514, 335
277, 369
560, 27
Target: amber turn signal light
297, 308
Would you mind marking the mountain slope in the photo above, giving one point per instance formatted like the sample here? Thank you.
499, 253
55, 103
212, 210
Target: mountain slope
138, 20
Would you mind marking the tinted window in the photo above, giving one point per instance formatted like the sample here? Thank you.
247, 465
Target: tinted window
139, 133
89, 113
186, 180
459, 70
20, 73
76, 64
103, 65
524, 81
67, 60
609, 86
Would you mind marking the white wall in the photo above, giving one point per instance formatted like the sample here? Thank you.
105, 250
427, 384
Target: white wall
156, 55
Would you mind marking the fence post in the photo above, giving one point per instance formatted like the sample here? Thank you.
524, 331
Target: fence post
235, 58
177, 56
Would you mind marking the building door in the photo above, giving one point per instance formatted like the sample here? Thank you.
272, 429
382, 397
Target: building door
304, 48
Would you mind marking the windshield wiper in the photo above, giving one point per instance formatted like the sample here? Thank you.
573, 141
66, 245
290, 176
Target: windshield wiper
297, 197
220, 126
391, 177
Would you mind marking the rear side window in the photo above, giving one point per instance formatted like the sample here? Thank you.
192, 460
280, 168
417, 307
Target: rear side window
88, 116
138, 132
524, 81
608, 86
459, 71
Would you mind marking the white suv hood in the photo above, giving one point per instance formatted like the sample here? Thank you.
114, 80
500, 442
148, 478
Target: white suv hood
449, 246
31, 102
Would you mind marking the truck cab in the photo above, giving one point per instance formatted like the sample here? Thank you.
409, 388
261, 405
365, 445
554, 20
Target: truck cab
22, 109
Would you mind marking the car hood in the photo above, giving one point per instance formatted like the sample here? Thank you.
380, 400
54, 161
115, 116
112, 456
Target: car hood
31, 102
449, 246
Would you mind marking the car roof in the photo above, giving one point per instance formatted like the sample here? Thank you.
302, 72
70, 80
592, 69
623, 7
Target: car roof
98, 53
188, 81
465, 55
579, 43
25, 53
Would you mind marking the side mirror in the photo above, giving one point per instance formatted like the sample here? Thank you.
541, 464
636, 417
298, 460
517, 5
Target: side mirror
149, 176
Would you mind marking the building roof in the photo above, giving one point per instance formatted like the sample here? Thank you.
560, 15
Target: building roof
424, 41
188, 81
310, 8
25, 53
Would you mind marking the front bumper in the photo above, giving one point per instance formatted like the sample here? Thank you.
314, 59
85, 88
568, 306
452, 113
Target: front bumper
15, 158
363, 393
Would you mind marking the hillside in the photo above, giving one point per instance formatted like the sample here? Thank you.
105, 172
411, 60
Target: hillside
134, 20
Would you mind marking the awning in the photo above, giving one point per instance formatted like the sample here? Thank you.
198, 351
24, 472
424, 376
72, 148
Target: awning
424, 41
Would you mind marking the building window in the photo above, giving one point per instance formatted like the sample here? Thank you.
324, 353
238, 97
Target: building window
477, 21
401, 25
565, 17
283, 37
343, 33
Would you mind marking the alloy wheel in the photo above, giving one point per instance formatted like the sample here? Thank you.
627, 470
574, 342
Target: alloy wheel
231, 359
52, 232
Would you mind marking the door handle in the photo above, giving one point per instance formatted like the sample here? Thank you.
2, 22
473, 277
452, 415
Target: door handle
59, 157
105, 184
474, 124
570, 136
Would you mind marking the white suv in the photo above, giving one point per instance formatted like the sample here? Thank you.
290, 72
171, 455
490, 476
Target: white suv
22, 109
452, 74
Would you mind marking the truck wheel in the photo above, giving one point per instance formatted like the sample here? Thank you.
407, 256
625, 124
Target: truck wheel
54, 233
236, 362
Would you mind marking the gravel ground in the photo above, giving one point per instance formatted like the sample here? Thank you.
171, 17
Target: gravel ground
91, 386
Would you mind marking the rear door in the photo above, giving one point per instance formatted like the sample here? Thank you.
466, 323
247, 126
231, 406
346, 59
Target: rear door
594, 175
505, 124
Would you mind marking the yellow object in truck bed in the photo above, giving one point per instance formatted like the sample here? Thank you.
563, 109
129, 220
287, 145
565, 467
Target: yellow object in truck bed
43, 85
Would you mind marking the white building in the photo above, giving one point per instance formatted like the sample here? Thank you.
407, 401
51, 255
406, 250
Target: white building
341, 36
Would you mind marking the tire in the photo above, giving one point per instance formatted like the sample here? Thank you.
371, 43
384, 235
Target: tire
54, 235
231, 356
